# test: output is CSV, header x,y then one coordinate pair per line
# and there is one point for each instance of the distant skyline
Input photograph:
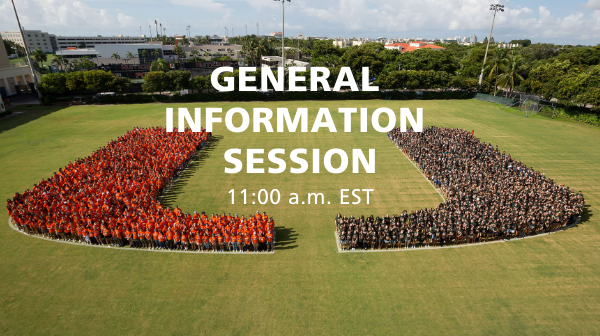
x,y
561,22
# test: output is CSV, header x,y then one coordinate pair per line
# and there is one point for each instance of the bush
x,y
5,113
430,95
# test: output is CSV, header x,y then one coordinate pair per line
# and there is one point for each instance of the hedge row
x,y
280,96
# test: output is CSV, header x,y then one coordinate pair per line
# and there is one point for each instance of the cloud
x,y
593,4
208,5
36,13
464,15
126,21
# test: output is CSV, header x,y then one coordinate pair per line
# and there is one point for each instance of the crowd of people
x,y
488,196
111,198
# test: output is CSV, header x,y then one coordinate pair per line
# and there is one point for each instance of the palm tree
x,y
177,51
130,56
156,53
194,53
206,54
39,56
159,65
510,77
495,63
60,61
143,55
115,56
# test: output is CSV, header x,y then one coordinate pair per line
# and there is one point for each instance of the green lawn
x,y
544,285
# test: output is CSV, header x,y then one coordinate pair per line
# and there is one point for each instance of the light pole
x,y
35,83
495,8
283,31
226,32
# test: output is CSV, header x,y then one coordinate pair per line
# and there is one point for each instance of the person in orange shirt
x,y
247,240
213,243
270,245
262,240
227,241
184,241
220,240
170,244
177,240
234,243
198,242
162,240
255,241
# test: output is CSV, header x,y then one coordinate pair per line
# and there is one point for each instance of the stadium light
x,y
495,8
283,31
35,83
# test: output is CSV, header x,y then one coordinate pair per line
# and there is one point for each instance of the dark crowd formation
x,y
488,196
111,198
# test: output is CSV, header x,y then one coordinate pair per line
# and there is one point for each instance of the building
x,y
509,45
13,79
275,61
103,53
35,39
65,42
412,46
347,43
473,39
277,35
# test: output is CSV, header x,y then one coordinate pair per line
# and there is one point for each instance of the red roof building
x,y
412,46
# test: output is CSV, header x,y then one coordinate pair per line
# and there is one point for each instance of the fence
x,y
494,99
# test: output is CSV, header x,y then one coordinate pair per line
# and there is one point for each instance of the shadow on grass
x,y
30,113
286,238
177,188
587,214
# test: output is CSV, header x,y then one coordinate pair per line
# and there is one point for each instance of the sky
x,y
553,21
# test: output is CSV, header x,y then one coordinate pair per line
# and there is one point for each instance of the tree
x,y
130,55
185,41
119,84
76,81
143,54
325,47
524,43
496,62
194,53
60,61
53,84
200,83
177,80
115,56
177,51
511,76
540,51
39,56
159,65
154,81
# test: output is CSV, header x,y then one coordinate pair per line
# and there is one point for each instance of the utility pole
x,y
257,33
150,29
246,29
35,83
156,24
495,8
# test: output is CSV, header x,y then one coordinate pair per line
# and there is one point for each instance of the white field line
x,y
337,240
432,185
10,223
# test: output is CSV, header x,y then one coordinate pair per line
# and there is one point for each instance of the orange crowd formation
x,y
111,198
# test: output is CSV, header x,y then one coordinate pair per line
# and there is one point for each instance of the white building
x,y
35,39
64,42
13,79
103,53
275,61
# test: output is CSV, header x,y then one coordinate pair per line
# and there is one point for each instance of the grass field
x,y
544,285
